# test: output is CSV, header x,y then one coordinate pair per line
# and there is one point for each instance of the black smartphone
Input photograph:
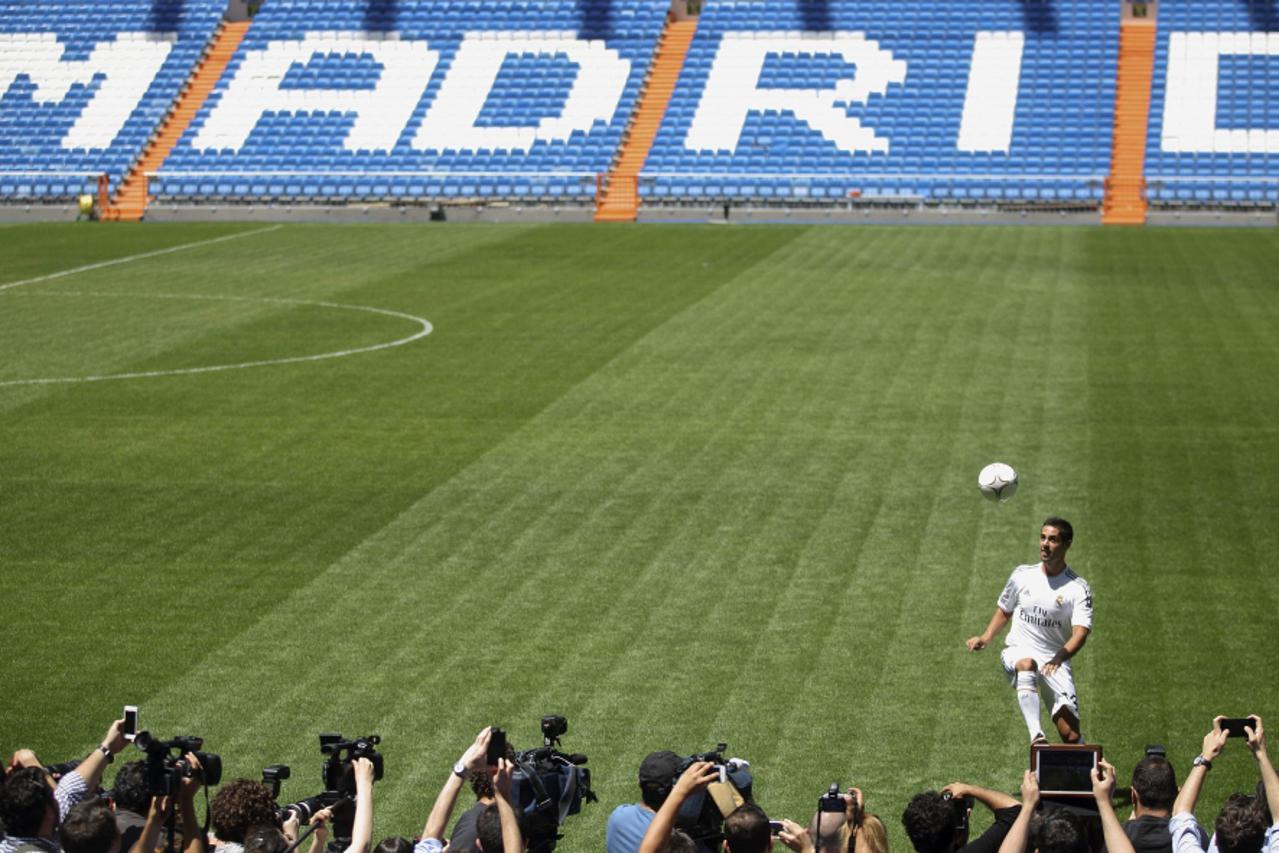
x,y
774,827
130,730
497,745
1233,726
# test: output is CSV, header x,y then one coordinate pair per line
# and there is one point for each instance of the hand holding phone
x,y
497,746
1234,726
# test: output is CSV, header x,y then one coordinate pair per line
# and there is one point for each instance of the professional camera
x,y
272,777
702,815
338,777
961,806
549,785
167,765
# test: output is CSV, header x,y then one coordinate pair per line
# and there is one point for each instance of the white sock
x,y
1028,701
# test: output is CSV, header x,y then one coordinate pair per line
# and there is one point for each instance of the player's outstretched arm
x,y
997,623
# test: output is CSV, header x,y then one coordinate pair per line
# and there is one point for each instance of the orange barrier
x,y
132,197
1125,202
619,201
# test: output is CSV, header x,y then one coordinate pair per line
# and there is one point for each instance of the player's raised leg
x,y
1027,685
1065,711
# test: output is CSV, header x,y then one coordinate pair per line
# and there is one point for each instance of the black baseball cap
x,y
659,769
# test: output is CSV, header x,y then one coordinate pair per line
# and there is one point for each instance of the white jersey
x,y
1043,608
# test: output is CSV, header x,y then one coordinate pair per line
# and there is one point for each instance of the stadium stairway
x,y
1125,201
130,202
620,200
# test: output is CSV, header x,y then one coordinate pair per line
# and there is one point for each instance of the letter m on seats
x,y
122,69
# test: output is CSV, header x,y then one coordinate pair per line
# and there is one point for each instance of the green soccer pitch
x,y
680,484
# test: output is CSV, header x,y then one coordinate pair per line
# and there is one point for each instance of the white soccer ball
x,y
997,481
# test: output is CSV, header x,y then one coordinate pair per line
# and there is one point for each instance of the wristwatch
x,y
1200,761
459,770
106,753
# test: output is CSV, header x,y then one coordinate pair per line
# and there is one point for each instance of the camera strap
x,y
541,799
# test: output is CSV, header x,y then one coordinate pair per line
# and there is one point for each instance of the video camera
x,y
702,815
338,776
548,786
167,765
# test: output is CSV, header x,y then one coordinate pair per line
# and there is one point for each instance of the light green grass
x,y
679,484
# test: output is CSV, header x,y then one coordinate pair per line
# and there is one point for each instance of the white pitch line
x,y
426,329
131,258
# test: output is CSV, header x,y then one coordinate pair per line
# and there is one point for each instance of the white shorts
x,y
1059,687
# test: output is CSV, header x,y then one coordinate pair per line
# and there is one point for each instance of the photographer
x,y
90,827
31,807
507,838
238,808
658,835
937,821
1060,830
466,829
363,774
1241,825
834,831
1153,791
628,822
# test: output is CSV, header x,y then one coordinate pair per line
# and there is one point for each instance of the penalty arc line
x,y
426,329
131,258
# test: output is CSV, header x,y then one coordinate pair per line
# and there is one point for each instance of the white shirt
x,y
1043,608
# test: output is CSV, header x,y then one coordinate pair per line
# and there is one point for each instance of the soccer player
x,y
1050,608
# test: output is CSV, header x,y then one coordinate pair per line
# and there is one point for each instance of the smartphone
x,y
497,745
130,722
1233,726
774,827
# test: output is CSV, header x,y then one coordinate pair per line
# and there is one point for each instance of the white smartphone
x,y
130,722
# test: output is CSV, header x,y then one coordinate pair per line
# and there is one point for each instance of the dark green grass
x,y
680,484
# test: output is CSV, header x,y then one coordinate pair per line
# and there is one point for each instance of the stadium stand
x,y
84,83
792,102
344,101
971,100
1214,119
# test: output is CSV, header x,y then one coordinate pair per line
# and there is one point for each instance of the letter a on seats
x,y
596,91
381,113
732,89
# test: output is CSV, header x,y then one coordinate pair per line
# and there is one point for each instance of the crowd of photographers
x,y
688,804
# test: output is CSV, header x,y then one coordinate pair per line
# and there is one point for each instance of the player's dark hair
x,y
1241,826
132,790
746,830
23,801
1061,832
1063,527
1155,782
930,822
89,827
